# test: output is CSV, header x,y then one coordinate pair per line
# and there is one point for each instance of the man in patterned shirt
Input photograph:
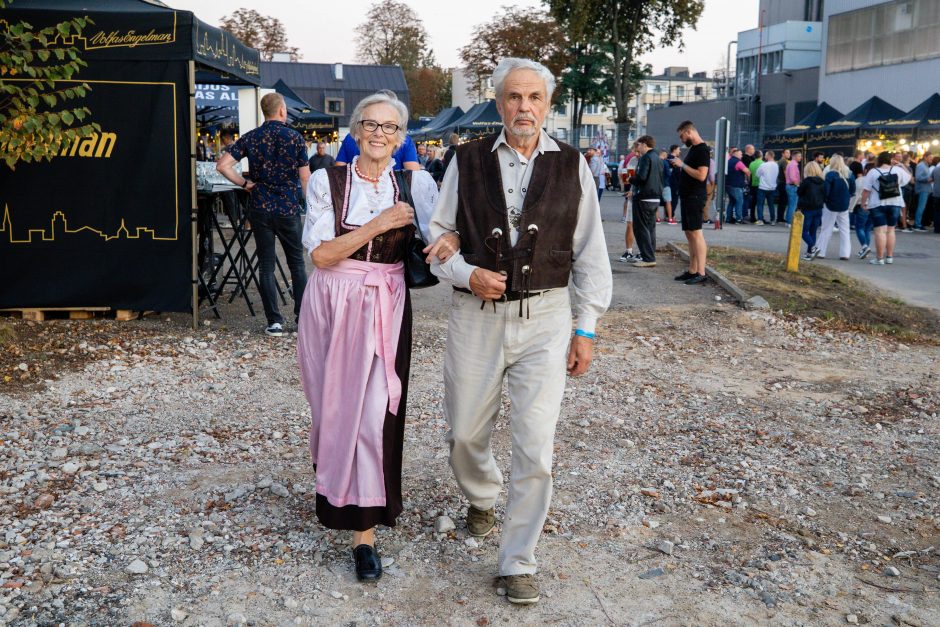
x,y
277,160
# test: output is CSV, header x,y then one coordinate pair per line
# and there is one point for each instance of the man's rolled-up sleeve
x,y
590,272
444,220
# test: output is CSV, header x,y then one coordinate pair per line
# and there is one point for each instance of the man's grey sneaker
x,y
864,252
521,589
480,522
275,330
889,260
877,262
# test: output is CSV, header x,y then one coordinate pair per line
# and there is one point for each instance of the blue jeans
x,y
863,226
735,203
812,220
922,198
768,196
791,203
288,230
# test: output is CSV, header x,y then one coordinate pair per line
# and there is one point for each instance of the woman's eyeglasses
x,y
370,125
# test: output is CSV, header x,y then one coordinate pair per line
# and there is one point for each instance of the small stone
x,y
652,524
44,501
653,573
472,543
236,620
884,519
809,511
279,490
178,615
235,494
336,595
756,302
665,546
291,603
851,619
387,561
82,431
768,599
137,567
196,541
443,524
101,486
70,468
59,453
651,492
891,571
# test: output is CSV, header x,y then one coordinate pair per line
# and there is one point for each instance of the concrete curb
x,y
743,299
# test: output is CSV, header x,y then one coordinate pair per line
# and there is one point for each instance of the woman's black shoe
x,y
368,563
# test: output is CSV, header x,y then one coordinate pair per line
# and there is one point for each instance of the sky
x,y
324,31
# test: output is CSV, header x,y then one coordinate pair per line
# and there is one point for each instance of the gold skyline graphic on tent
x,y
59,226
205,48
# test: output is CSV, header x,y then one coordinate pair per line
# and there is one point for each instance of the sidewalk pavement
x,y
913,277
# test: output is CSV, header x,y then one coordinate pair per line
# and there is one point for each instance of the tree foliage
x,y
393,34
514,32
586,80
430,89
629,29
37,81
265,34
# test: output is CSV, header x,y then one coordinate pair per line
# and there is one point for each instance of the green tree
x,y
265,34
393,34
513,32
585,81
36,85
630,28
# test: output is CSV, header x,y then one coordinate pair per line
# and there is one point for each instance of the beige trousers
x,y
483,348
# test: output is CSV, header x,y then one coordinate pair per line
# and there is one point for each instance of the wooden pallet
x,y
40,314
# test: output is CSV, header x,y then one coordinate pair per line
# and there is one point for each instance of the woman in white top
x,y
354,340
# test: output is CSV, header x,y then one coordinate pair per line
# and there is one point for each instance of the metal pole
x,y
722,130
193,212
728,69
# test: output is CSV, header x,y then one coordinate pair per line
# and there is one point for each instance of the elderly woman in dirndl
x,y
354,343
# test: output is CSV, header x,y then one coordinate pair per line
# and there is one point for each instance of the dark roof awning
x,y
823,115
482,118
871,114
441,122
291,99
925,116
144,30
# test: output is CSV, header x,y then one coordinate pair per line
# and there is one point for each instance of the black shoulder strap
x,y
404,193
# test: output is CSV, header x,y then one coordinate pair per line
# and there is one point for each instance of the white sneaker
x,y
275,330
759,223
877,262
889,260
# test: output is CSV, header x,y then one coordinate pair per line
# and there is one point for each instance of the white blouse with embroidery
x,y
365,203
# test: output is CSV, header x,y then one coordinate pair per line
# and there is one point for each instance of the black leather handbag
x,y
417,270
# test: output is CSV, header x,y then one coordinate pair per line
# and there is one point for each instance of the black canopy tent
x,y
794,137
481,119
843,134
303,117
922,122
436,128
110,221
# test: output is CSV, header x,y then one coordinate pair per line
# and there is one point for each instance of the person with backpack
x,y
811,198
881,195
838,188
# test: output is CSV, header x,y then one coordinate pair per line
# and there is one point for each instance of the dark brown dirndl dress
x,y
386,248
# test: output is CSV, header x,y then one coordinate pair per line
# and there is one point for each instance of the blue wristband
x,y
586,334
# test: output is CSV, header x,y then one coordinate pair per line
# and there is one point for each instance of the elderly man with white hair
x,y
526,210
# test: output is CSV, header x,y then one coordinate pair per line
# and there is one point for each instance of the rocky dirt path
x,y
715,467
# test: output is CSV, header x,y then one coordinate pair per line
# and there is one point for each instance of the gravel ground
x,y
714,467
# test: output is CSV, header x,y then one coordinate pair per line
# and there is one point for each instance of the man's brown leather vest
x,y
551,204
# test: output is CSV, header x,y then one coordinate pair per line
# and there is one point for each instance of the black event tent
x,y
301,116
923,117
794,137
116,228
481,119
435,128
843,134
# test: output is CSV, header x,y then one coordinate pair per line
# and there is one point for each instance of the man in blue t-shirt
x,y
406,157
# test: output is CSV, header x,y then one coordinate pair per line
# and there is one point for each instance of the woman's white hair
x,y
381,97
509,64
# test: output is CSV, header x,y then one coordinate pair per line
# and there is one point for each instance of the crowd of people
x,y
875,196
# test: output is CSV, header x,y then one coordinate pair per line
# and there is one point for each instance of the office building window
x,y
680,91
885,34
588,130
561,109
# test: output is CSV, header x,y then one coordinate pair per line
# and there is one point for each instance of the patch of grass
x,y
819,291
